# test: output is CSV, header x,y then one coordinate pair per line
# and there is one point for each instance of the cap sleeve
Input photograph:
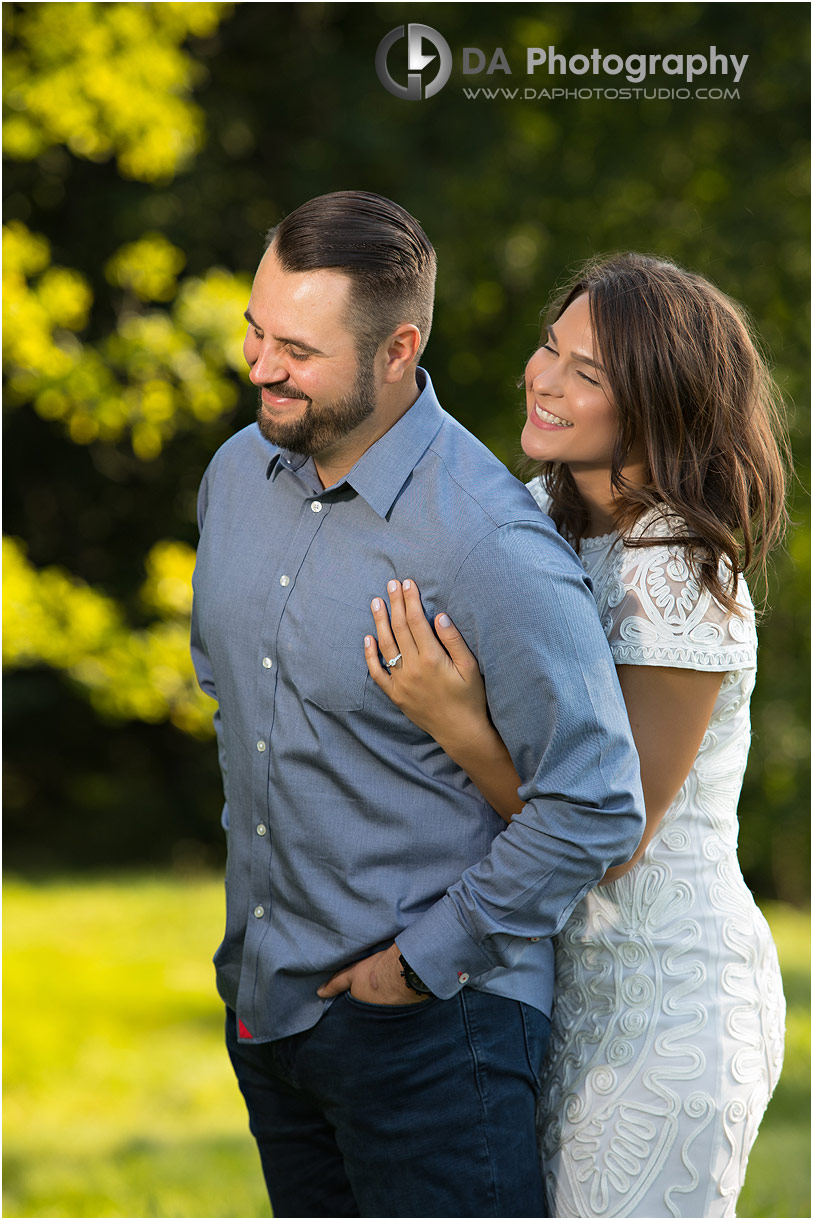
x,y
658,613
538,492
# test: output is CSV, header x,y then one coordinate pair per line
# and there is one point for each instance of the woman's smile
x,y
546,419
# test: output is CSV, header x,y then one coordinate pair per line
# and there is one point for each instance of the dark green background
x,y
512,193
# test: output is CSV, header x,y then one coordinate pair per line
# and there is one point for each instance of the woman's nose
x,y
547,382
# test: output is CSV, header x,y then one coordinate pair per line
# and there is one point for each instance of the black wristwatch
x,y
412,980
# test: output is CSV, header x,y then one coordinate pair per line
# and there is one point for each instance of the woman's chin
x,y
533,444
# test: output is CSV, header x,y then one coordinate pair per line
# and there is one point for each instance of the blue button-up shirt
x,y
348,826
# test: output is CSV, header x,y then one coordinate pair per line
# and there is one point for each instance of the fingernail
x,y
444,620
407,584
368,641
392,586
376,603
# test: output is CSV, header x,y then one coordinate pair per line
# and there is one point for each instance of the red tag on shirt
x,y
242,1031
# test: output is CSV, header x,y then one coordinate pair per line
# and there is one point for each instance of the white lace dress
x,y
668,1018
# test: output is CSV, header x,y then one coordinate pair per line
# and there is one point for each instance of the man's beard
x,y
318,430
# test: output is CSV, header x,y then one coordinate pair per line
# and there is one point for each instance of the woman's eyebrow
x,y
582,359
580,356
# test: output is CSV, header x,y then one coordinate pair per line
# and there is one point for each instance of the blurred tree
x,y
159,369
145,674
134,216
106,80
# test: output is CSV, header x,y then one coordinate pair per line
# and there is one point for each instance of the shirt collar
x,y
283,459
382,471
384,468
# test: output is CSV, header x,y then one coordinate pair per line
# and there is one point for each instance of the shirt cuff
x,y
441,952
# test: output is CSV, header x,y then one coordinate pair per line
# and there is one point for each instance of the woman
x,y
653,421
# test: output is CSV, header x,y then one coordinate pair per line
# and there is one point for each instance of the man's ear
x,y
400,351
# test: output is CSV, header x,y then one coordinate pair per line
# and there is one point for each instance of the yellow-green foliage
x,y
113,80
168,587
106,80
158,372
113,342
119,1099
52,618
149,267
40,304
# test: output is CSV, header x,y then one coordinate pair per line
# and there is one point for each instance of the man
x,y
357,851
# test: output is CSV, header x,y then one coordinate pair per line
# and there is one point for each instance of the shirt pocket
x,y
335,675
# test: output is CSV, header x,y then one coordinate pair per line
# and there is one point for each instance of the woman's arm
x,y
669,711
439,687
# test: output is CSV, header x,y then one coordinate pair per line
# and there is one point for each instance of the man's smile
x,y
280,401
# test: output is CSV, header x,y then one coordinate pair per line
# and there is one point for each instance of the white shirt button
x,y
267,662
463,978
284,581
261,746
259,912
261,829
316,506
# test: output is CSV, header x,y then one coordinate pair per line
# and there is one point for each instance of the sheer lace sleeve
x,y
657,613
539,494
654,611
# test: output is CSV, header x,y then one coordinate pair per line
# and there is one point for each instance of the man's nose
x,y
268,368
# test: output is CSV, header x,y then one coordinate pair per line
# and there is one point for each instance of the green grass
x,y
778,1178
119,1099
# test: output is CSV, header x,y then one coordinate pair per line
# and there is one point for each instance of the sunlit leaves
x,y
148,267
210,309
51,618
48,617
159,371
112,81
106,80
168,587
512,195
33,313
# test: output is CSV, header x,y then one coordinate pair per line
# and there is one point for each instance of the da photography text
x,y
414,62
634,68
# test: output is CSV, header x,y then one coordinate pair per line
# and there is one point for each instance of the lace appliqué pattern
x,y
655,612
668,1022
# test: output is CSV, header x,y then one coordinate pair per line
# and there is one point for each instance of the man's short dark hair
x,y
379,246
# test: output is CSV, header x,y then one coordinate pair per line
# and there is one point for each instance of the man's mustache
x,y
283,390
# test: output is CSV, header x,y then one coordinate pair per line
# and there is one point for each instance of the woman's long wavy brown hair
x,y
691,388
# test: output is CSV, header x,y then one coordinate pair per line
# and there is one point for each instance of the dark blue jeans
x,y
416,1110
